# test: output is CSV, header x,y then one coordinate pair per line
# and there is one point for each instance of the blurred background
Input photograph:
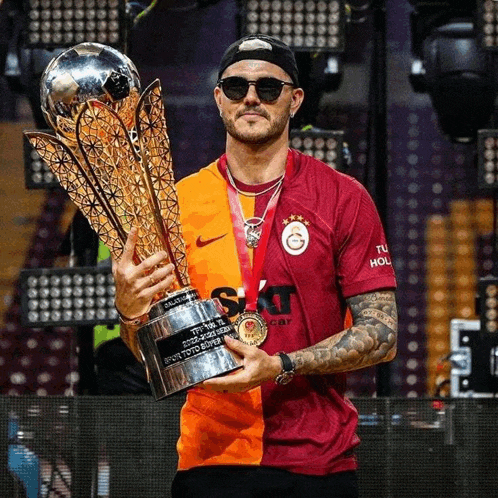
x,y
400,94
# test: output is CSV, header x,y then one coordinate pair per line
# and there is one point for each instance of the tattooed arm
x,y
369,341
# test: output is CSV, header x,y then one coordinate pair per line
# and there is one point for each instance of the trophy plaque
x,y
111,153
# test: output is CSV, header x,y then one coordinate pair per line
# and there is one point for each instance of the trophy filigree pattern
x,y
74,179
119,182
104,142
156,153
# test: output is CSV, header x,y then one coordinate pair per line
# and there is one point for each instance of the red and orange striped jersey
x,y
326,244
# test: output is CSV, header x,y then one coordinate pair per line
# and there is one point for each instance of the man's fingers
x,y
141,294
238,346
130,244
235,382
158,276
155,286
150,262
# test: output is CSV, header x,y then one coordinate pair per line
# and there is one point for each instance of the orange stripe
x,y
215,428
221,429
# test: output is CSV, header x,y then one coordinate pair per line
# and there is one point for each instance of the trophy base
x,y
182,344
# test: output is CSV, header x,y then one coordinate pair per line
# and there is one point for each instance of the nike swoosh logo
x,y
200,242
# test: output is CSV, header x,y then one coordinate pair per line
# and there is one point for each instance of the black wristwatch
x,y
288,370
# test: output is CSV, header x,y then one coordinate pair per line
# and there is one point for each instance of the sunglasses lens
x,y
235,88
269,89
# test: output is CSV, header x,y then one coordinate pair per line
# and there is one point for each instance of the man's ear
x,y
297,99
217,96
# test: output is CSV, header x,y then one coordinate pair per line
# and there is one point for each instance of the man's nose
x,y
251,95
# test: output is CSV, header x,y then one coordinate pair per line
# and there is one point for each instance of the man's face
x,y
250,120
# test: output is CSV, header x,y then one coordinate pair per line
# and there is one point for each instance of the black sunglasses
x,y
268,89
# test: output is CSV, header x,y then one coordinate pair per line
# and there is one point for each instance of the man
x,y
304,242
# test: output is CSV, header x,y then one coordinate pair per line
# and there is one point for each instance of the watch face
x,y
284,378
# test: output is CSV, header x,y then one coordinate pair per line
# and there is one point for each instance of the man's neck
x,y
256,164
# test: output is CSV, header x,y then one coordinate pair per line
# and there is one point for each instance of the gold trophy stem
x,y
158,219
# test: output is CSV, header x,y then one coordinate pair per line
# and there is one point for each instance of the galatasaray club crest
x,y
295,237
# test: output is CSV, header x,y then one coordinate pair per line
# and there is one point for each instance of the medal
x,y
251,328
252,233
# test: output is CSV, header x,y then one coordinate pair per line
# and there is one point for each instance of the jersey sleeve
x,y
364,263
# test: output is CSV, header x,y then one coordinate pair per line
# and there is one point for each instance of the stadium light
x,y
67,297
64,23
487,21
487,158
488,304
326,145
37,174
308,25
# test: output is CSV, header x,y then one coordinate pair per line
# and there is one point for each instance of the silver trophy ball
x,y
83,72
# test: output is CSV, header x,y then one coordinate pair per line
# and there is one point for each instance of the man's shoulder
x,y
323,176
202,192
203,184
208,174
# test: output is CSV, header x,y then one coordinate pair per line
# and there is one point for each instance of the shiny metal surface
x,y
176,298
187,372
83,72
179,318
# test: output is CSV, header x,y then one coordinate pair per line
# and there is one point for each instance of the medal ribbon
x,y
251,277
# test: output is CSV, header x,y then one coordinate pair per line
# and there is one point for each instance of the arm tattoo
x,y
369,341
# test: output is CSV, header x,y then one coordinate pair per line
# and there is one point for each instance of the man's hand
x,y
136,285
258,367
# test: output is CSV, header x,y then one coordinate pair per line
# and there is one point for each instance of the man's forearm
x,y
370,340
129,335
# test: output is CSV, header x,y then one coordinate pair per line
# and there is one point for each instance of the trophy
x,y
111,153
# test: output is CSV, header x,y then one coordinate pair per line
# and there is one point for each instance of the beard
x,y
257,137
